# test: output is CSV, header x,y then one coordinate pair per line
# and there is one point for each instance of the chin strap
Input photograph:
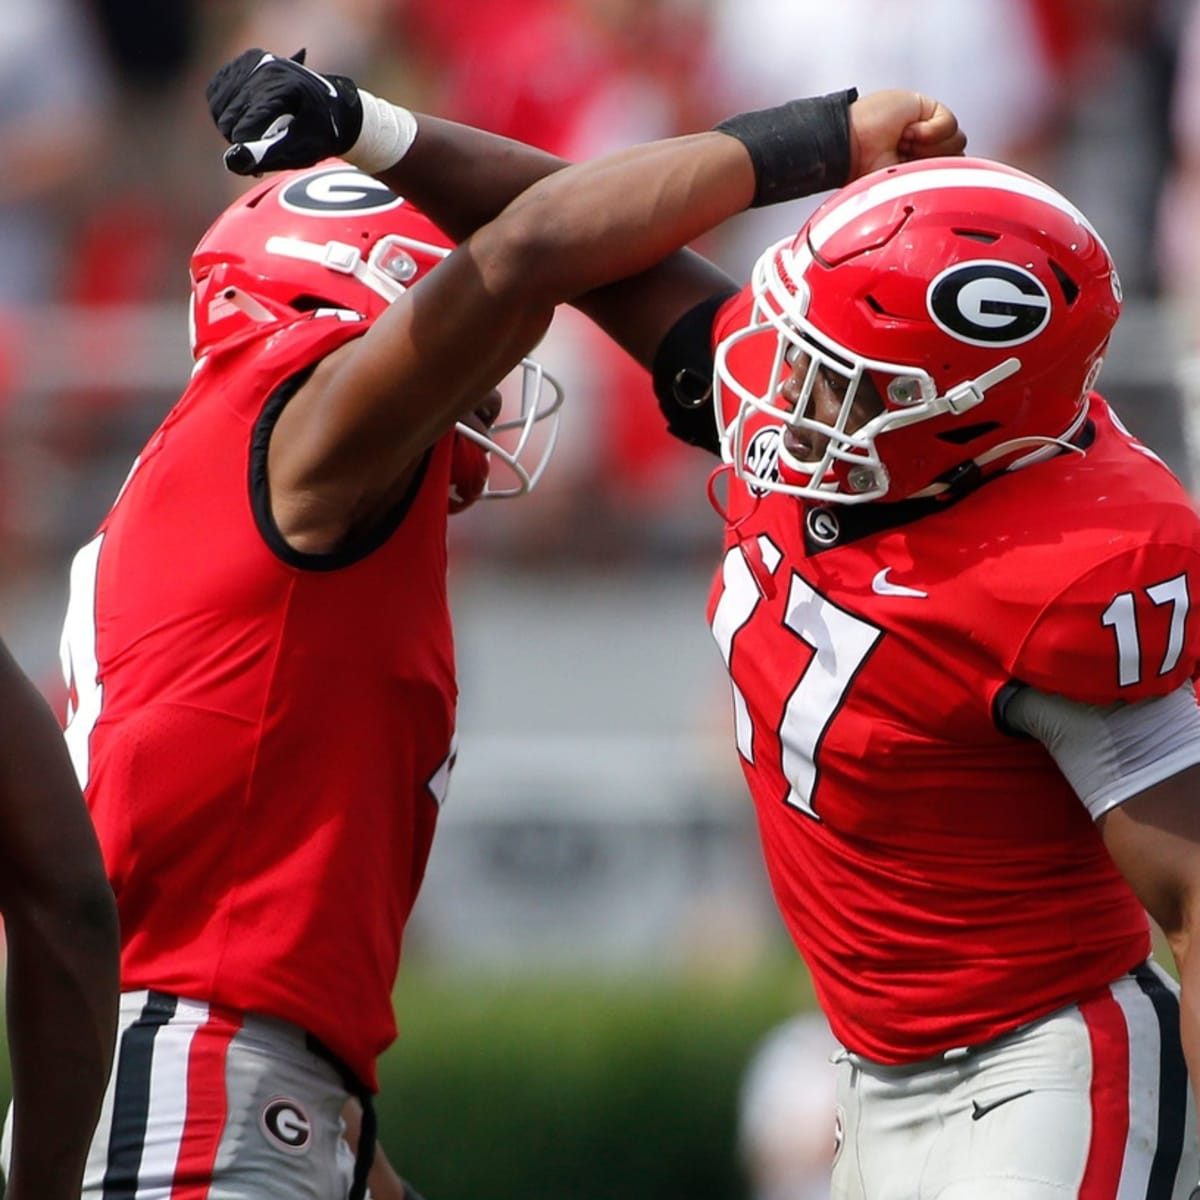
x,y
965,396
340,257
751,551
1046,443
1046,447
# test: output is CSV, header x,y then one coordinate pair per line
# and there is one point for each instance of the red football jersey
x,y
264,737
940,877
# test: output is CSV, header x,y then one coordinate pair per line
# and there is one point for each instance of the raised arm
x,y
346,442
277,112
60,922
608,235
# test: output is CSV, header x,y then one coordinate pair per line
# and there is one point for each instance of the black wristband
x,y
797,148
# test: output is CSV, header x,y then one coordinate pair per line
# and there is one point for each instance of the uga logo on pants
x,y
287,1125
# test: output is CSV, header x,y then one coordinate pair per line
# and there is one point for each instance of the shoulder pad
x,y
1127,629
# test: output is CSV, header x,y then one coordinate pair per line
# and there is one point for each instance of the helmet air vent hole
x,y
978,235
310,303
968,433
1069,287
255,201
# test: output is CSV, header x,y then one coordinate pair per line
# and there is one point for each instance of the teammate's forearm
x,y
597,222
575,230
462,177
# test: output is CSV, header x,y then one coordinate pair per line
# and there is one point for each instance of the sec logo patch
x,y
762,458
286,1125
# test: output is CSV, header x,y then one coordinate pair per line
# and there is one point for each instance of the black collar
x,y
830,525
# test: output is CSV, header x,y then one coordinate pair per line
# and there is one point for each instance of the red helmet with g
x,y
973,302
332,237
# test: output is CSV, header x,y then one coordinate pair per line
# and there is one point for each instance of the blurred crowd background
x,y
112,170
596,821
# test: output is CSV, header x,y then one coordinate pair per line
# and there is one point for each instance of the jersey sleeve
x,y
300,345
1125,630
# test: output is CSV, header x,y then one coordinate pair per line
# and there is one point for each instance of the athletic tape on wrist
x,y
797,148
386,135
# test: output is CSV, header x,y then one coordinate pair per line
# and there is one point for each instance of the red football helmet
x,y
976,299
332,237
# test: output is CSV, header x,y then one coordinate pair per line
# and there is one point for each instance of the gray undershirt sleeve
x,y
1110,754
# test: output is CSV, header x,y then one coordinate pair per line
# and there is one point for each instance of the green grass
x,y
585,1089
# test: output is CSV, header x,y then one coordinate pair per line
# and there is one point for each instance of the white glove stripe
x,y
274,132
320,78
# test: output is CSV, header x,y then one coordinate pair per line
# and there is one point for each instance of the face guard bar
x,y
849,469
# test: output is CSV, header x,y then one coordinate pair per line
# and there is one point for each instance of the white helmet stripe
x,y
892,187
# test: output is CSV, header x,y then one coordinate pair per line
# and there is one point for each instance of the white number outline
x,y
840,642
438,784
77,653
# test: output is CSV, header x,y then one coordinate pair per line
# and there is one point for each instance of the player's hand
x,y
895,126
278,114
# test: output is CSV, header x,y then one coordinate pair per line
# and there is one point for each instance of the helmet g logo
x,y
338,192
989,303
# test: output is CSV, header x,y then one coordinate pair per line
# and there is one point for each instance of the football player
x,y
258,641
956,600
259,658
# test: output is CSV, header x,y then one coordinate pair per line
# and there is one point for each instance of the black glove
x,y
279,114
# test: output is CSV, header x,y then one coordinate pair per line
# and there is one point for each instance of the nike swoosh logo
x,y
981,1110
270,58
320,79
882,586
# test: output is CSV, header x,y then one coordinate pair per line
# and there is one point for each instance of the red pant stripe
x,y
1110,1097
207,1104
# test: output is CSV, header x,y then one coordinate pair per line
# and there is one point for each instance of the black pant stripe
x,y
131,1097
1173,1089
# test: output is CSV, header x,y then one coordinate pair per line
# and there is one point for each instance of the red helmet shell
x,y
325,237
977,299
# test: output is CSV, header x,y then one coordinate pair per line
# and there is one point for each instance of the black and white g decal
x,y
989,303
338,192
286,1125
